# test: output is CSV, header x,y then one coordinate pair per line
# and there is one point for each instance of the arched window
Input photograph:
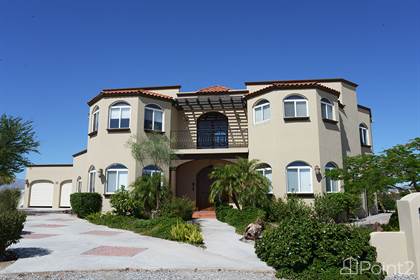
x,y
295,106
266,171
151,170
79,184
119,115
95,119
212,131
299,178
330,184
116,176
364,134
153,118
262,111
92,175
327,109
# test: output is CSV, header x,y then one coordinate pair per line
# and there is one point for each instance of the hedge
x,y
84,204
11,226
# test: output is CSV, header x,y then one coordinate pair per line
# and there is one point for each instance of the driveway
x,y
61,242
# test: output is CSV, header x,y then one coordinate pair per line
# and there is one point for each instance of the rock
x,y
253,231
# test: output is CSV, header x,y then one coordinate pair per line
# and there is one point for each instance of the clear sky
x,y
56,55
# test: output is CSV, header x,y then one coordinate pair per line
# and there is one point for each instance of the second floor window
x,y
262,111
153,118
95,119
327,109
364,135
119,115
295,106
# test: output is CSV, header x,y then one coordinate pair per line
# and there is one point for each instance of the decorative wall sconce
x,y
100,172
317,170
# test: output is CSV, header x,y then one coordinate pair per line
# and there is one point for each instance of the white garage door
x,y
42,194
65,195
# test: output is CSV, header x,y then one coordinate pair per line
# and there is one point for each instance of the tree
x,y
241,182
156,149
402,163
17,140
362,173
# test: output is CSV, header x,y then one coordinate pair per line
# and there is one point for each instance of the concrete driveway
x,y
61,242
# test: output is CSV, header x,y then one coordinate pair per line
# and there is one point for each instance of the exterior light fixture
x,y
100,172
317,170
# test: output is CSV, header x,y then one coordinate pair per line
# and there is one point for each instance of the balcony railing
x,y
209,138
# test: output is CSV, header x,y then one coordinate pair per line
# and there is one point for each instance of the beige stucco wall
x,y
278,142
54,174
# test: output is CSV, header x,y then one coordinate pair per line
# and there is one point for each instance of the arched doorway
x,y
203,188
212,131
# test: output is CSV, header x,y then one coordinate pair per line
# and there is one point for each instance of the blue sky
x,y
56,55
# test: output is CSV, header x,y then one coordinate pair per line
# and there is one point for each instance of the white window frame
x,y
264,103
364,135
299,168
153,118
120,107
331,180
95,120
294,101
263,172
92,174
328,104
118,171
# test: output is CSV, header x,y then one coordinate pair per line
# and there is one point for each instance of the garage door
x,y
65,195
42,194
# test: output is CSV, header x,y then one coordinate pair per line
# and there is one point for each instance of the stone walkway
x,y
60,242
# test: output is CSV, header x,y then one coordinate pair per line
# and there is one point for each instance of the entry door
x,y
41,194
203,187
65,195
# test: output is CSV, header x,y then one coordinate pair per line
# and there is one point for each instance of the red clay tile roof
x,y
304,81
214,89
129,92
298,85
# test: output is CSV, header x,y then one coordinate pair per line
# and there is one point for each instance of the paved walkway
x,y
58,242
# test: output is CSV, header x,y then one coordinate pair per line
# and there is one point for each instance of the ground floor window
x,y
116,177
331,185
92,175
299,178
266,171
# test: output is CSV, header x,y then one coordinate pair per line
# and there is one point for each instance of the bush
x,y
84,204
187,233
124,204
239,219
290,208
159,227
388,201
178,207
150,192
305,247
11,226
393,224
9,199
337,207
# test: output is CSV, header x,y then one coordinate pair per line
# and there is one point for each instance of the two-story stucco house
x,y
297,129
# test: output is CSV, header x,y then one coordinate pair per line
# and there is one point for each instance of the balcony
x,y
215,139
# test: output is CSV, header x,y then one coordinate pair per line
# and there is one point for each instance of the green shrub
x,y
150,192
388,201
239,219
159,227
394,224
178,207
11,226
186,233
9,199
124,204
84,204
290,208
337,207
305,248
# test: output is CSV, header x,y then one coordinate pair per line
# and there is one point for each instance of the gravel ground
x,y
402,277
142,274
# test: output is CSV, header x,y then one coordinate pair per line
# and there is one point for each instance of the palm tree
x,y
225,183
241,182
